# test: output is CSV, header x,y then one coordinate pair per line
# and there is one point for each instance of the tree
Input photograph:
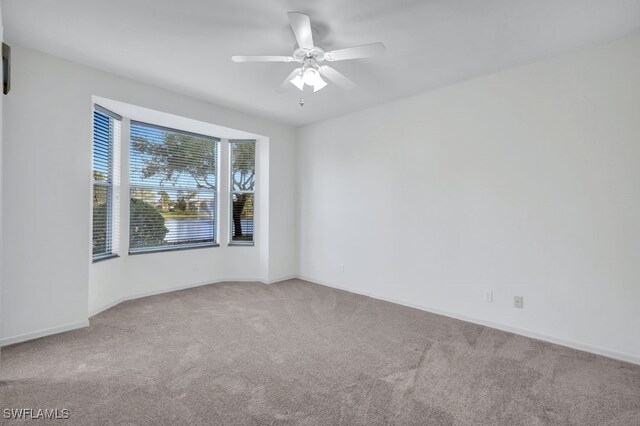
x,y
177,154
181,202
99,175
100,218
99,232
165,200
184,201
146,228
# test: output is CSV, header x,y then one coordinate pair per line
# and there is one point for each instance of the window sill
x,y
103,258
176,248
241,244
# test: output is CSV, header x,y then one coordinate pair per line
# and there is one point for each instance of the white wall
x,y
49,282
525,183
1,172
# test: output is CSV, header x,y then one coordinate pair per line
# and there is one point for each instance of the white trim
x,y
633,359
44,332
184,287
109,305
282,278
187,286
223,199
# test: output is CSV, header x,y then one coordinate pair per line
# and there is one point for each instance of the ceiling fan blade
x,y
240,58
286,84
356,52
340,80
301,25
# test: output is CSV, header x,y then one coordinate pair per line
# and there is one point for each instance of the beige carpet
x,y
300,353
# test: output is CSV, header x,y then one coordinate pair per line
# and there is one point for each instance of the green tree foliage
x,y
243,156
178,153
99,175
165,200
146,227
184,201
99,232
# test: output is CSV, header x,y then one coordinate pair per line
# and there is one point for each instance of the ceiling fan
x,y
312,58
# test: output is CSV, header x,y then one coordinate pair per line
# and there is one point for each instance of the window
x,y
173,188
243,180
106,131
173,191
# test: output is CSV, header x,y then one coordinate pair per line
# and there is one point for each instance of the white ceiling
x,y
186,45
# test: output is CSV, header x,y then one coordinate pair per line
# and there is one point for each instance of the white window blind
x,y
243,179
106,130
173,189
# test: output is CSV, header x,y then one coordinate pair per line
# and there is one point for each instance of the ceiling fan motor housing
x,y
314,54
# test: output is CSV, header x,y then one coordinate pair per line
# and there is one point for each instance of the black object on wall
x,y
6,68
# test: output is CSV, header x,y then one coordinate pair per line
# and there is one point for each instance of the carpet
x,y
300,353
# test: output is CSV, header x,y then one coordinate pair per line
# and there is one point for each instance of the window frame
x,y
215,192
231,192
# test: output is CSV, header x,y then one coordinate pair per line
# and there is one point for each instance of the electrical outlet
x,y
341,268
488,296
518,302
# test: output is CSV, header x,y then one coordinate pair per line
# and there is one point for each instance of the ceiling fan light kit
x,y
312,57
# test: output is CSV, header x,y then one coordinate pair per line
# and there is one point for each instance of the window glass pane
x,y
173,180
102,138
243,165
101,240
243,179
242,217
102,173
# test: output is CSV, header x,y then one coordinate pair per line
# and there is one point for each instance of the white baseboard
x,y
106,306
44,332
633,359
184,287
72,326
523,332
277,280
